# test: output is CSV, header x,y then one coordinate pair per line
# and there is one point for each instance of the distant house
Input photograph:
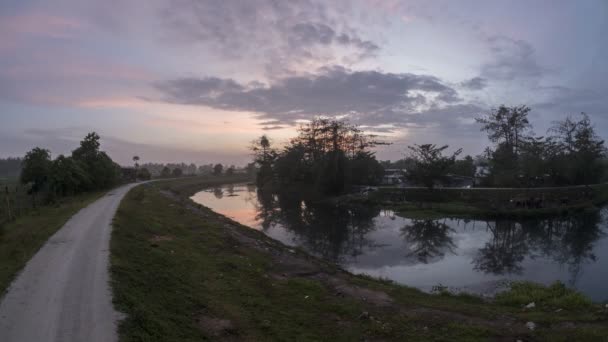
x,y
393,177
481,173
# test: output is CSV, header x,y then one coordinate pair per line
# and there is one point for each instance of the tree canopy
x,y
327,157
430,165
570,154
86,169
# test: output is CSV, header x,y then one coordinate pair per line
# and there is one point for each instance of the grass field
x,y
22,238
181,272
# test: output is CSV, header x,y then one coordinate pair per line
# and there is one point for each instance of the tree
x,y
166,172
507,125
365,169
36,168
68,176
327,157
430,164
217,169
264,156
177,172
508,128
102,171
579,150
144,174
251,169
230,170
136,161
464,167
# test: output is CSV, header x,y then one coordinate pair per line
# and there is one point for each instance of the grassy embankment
x,y
487,203
22,238
181,272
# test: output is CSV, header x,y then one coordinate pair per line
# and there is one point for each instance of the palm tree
x,y
136,160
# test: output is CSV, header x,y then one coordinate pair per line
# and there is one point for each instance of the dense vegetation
x,y
87,169
570,154
327,157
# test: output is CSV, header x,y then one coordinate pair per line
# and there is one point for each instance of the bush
x,y
556,296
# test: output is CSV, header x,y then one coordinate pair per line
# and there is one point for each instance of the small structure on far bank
x,y
394,177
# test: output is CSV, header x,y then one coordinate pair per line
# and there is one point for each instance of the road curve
x,y
63,293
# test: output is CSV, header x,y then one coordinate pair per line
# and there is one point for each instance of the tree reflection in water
x,y
336,233
567,240
428,239
218,192
331,232
505,251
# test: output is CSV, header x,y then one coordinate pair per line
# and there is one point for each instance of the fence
x,y
15,201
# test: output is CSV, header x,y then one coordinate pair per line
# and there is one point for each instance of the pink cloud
x,y
79,69
112,102
40,24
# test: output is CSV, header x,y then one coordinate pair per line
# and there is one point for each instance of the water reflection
x,y
327,231
505,251
423,253
569,241
428,239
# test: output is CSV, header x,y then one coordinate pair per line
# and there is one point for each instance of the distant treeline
x,y
183,169
44,180
328,156
571,153
86,169
187,169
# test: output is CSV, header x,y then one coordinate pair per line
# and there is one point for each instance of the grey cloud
x,y
306,34
475,83
270,128
266,31
513,59
367,96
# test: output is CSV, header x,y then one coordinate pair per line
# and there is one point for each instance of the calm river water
x,y
465,255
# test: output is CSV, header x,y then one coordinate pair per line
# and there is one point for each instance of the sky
x,y
198,80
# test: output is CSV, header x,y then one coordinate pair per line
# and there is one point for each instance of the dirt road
x,y
63,293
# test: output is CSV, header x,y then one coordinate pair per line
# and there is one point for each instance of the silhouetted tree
x,y
68,176
327,157
103,172
430,165
506,125
166,172
144,174
177,172
580,151
217,169
36,167
264,156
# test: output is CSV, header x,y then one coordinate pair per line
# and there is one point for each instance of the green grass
x,y
23,237
183,273
554,297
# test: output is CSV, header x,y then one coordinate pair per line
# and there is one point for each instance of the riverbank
x,y
183,272
486,203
